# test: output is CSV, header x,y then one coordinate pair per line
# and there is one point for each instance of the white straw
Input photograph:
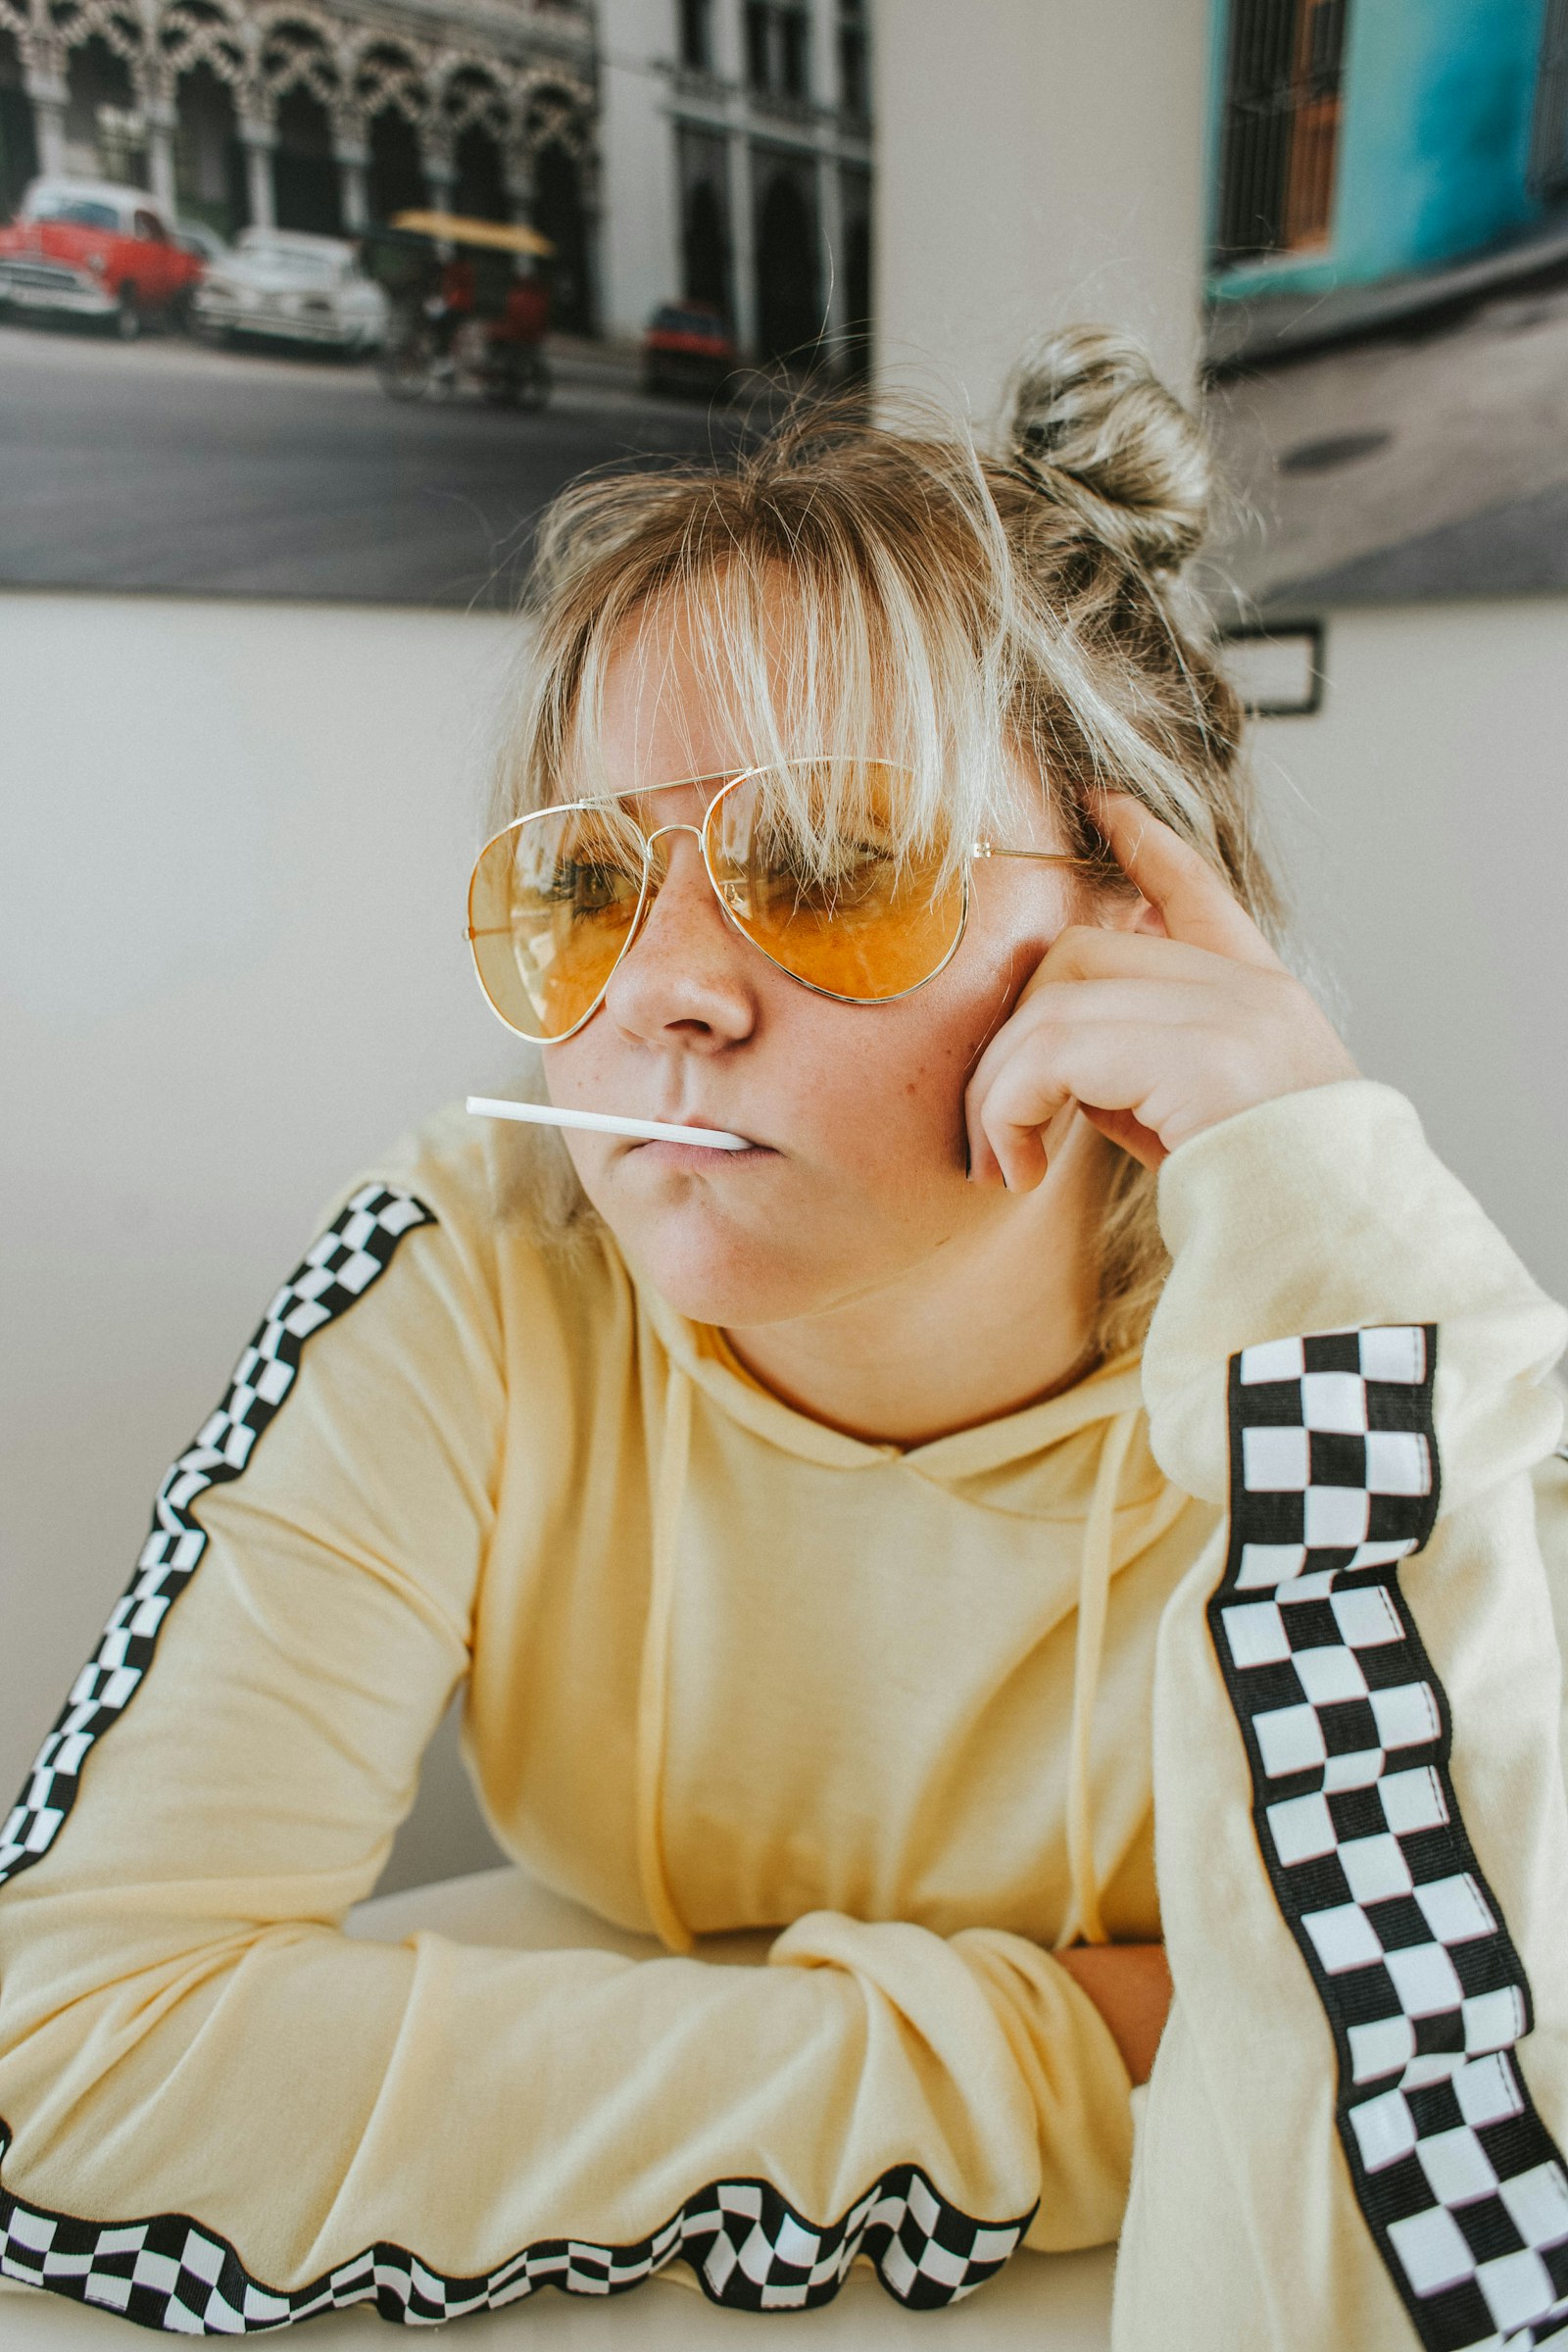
x,y
652,1131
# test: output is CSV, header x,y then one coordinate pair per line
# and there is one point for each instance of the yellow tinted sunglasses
x,y
809,866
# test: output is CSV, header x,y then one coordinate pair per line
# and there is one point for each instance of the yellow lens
x,y
551,906
812,866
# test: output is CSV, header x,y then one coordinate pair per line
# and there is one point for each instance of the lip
x,y
696,1157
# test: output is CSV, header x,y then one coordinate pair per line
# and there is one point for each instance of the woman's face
x,y
860,1179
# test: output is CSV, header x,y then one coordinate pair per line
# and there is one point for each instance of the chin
x,y
711,1272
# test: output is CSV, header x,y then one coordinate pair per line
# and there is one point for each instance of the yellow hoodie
x,y
1261,1618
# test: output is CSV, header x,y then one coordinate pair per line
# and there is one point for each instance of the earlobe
x,y
1149,921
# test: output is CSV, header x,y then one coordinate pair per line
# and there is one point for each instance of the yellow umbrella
x,y
451,228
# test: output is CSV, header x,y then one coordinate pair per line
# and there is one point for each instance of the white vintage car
x,y
293,288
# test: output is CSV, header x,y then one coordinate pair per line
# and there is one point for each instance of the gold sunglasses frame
x,y
727,784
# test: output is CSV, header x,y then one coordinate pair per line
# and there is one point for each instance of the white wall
x,y
1036,161
234,849
1424,812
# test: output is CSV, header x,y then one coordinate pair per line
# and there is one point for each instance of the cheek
x,y
887,1090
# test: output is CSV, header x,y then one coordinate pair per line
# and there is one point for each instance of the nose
x,y
687,980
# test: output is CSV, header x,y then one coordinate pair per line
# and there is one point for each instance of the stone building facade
x,y
325,115
717,150
737,156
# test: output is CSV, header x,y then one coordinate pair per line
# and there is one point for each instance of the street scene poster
x,y
327,300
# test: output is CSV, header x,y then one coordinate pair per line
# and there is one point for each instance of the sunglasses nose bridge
x,y
658,832
657,868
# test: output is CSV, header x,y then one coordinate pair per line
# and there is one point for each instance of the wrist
x,y
1129,1985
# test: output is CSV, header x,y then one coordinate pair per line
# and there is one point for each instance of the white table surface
x,y
1040,2303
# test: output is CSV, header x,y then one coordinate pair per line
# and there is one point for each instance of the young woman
x,y
831,1543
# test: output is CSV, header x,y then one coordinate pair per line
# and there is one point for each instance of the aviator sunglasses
x,y
807,859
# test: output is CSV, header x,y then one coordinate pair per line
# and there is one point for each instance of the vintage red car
x,y
91,249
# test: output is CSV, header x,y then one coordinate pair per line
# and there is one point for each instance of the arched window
x,y
105,136
209,167
397,172
558,212
857,348
789,318
304,179
706,247
481,192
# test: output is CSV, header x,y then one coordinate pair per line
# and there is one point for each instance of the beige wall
x,y
1036,161
230,966
1424,815
235,840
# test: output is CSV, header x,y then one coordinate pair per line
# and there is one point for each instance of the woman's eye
x,y
588,889
852,874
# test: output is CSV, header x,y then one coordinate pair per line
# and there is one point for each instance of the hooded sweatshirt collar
x,y
1114,1389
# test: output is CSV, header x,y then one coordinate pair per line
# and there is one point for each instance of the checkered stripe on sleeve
x,y
337,1269
749,2248
1334,1480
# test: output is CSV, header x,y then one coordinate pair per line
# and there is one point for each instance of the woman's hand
x,y
1154,1038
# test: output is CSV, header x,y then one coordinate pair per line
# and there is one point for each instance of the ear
x,y
1130,910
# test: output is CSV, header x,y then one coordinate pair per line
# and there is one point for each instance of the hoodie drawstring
x,y
1093,1590
652,1696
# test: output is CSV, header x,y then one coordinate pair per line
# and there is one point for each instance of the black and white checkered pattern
x,y
750,2250
1333,1480
336,1270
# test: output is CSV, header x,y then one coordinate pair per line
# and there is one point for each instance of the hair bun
x,y
1090,419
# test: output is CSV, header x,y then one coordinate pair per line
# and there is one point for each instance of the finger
x,y
1128,1131
1057,1017
1013,1152
1194,902
1097,951
1103,1064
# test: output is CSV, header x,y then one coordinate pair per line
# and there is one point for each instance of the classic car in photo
x,y
283,285
91,249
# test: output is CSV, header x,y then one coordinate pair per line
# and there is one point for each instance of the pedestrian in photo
x,y
1052,1517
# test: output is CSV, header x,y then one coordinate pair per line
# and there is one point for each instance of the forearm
x,y
1361,1841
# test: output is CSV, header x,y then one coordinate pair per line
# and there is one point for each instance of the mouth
x,y
700,1159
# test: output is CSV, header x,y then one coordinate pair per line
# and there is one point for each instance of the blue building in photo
x,y
1356,140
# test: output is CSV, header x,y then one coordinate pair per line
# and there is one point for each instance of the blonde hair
x,y
945,609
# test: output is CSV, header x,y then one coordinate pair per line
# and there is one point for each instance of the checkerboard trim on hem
x,y
338,1268
1347,1735
748,2246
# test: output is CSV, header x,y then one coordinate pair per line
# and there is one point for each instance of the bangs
x,y
844,631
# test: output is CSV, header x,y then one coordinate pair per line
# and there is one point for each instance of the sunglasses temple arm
x,y
990,848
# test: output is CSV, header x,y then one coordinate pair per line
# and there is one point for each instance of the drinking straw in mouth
x,y
649,1131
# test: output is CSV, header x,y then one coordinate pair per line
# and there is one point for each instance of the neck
x,y
1000,1321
